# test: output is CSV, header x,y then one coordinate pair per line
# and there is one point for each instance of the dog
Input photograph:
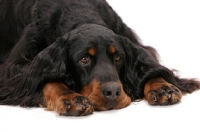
x,y
75,58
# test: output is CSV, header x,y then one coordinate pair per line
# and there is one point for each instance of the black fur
x,y
35,39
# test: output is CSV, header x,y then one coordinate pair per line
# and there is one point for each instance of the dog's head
x,y
97,58
102,65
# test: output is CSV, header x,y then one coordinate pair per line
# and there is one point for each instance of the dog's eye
x,y
117,58
85,60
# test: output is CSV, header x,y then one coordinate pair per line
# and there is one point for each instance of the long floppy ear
x,y
141,66
49,65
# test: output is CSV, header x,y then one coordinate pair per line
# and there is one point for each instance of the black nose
x,y
111,91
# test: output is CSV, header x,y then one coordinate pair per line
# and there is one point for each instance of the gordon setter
x,y
74,57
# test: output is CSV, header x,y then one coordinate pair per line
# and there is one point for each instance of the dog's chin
x,y
111,105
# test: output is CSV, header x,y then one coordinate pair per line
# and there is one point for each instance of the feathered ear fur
x,y
141,65
49,65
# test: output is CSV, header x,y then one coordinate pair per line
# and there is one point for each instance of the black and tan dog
x,y
75,57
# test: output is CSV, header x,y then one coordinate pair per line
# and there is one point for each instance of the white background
x,y
173,28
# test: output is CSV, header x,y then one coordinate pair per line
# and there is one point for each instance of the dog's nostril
x,y
118,92
111,91
107,93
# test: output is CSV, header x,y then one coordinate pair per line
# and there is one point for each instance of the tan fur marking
x,y
154,84
53,96
111,49
51,93
92,51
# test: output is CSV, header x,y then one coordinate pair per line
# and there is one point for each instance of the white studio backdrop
x,y
173,28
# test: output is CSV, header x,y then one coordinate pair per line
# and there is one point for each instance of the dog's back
x,y
49,15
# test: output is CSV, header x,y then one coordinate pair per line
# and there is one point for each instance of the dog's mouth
x,y
108,105
106,96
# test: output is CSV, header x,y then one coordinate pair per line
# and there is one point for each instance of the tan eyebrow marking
x,y
92,51
111,49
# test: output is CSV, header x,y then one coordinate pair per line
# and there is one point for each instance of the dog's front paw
x,y
74,105
162,93
58,97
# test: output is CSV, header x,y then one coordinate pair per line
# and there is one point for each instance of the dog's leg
x,y
159,92
58,97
